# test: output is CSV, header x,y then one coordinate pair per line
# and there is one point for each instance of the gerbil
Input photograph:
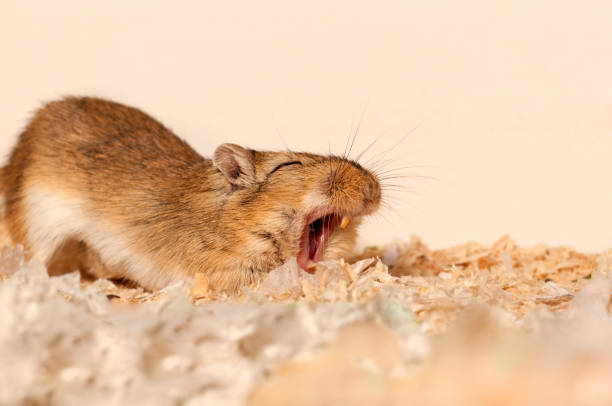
x,y
144,206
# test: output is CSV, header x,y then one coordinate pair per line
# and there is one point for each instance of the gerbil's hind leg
x,y
43,249
66,258
75,255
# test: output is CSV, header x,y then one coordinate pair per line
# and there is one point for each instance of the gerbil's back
x,y
103,173
80,139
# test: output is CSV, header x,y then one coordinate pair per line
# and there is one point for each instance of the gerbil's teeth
x,y
311,265
345,222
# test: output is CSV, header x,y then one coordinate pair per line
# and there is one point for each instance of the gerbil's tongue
x,y
313,240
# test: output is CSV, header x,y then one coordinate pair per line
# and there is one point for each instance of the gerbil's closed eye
x,y
284,164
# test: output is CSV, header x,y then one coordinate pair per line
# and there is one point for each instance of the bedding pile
x,y
399,324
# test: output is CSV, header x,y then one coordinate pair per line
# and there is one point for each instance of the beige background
x,y
512,101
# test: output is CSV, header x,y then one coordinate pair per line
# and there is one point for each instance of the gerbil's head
x,y
289,204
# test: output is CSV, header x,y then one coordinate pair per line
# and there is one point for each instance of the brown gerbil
x,y
145,206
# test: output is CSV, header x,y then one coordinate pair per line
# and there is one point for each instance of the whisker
x,y
392,205
348,138
380,164
280,136
355,135
383,134
407,176
401,188
367,148
361,117
383,216
408,133
397,186
401,168
348,148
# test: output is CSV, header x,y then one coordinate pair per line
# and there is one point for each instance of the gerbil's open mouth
x,y
315,235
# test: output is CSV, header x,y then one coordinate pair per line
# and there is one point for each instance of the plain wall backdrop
x,y
505,108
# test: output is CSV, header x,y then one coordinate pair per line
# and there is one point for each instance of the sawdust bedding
x,y
399,324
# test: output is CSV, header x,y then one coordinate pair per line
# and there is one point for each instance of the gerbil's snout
x,y
353,189
350,192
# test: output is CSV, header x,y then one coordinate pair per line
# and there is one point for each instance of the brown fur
x,y
233,218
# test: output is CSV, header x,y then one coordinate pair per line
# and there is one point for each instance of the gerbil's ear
x,y
236,164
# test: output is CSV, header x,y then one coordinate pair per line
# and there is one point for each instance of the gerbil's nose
x,y
354,189
372,196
